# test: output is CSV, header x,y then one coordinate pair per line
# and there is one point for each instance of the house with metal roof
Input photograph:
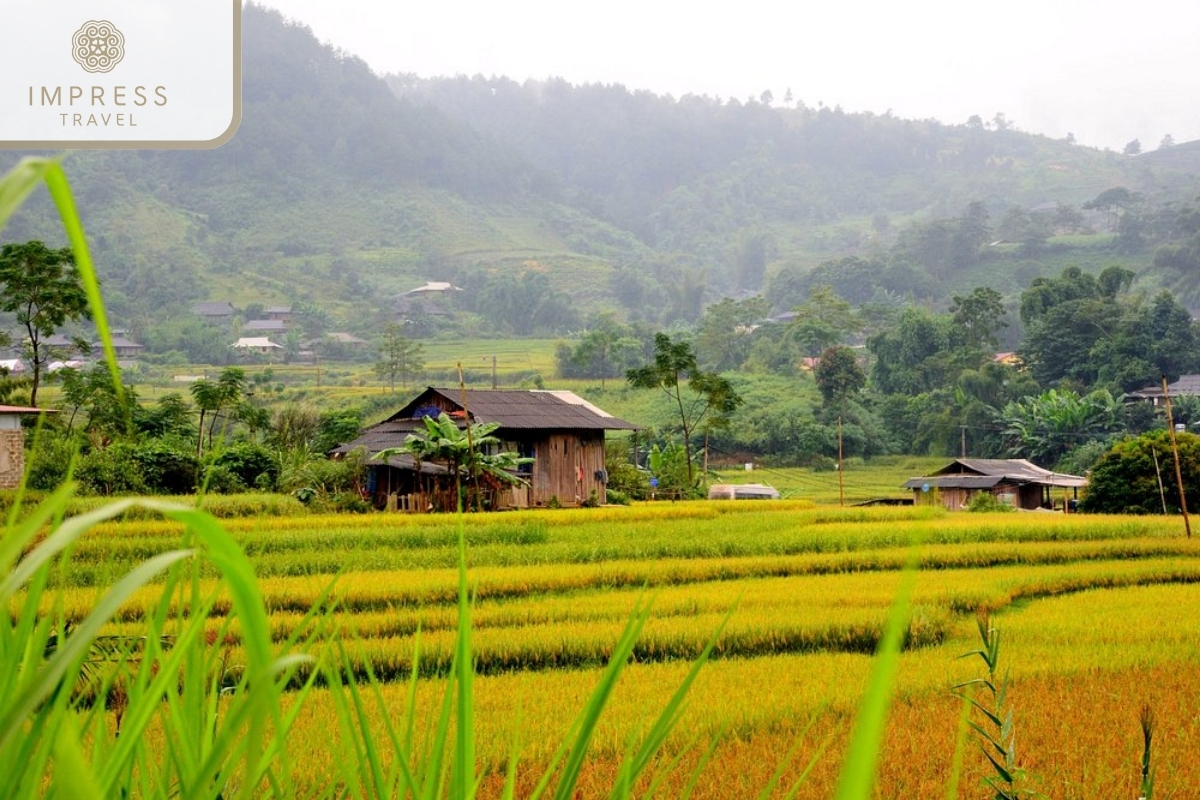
x,y
1020,483
561,431
1186,385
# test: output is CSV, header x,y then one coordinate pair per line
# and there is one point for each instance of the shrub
x,y
111,470
249,462
987,503
616,498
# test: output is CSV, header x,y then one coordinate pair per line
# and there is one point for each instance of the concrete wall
x,y
12,457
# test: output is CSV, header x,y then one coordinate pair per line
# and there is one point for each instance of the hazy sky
x,y
1107,71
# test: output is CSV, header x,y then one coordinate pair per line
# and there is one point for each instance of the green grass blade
x,y
60,192
590,716
960,746
72,775
18,183
18,709
857,776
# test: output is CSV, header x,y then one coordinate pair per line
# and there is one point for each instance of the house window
x,y
526,450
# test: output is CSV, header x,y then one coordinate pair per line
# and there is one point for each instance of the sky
x,y
1107,72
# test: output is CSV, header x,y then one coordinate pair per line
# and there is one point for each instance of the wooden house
x,y
1015,481
218,312
561,431
1185,386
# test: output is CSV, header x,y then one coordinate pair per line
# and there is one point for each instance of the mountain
x,y
546,201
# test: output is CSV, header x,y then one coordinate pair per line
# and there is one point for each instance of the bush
x,y
987,503
166,467
1126,481
220,479
616,498
249,462
46,463
111,470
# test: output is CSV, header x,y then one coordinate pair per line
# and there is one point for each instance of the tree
x,y
399,357
710,395
1133,148
1046,427
839,376
213,396
978,317
1126,479
1168,141
41,286
823,320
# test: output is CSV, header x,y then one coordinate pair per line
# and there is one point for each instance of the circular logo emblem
x,y
98,46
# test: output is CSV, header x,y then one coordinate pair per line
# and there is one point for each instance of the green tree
x,y
978,318
726,332
1126,479
399,356
708,397
41,286
823,320
839,376
211,397
1045,427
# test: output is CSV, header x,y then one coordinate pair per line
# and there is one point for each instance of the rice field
x,y
1099,616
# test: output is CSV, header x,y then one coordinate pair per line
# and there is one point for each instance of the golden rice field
x,y
1099,615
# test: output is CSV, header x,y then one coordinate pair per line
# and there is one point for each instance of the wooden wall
x,y
566,468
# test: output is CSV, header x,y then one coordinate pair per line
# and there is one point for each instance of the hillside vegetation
x,y
344,189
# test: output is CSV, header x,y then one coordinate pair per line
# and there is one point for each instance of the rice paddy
x,y
1099,616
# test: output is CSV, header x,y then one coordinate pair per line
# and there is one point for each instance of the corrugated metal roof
x,y
521,409
513,409
26,410
1015,470
955,482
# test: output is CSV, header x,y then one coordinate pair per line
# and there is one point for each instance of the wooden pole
x,y
962,432
1162,494
841,468
1187,525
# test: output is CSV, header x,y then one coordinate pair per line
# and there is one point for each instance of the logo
x,y
119,73
98,46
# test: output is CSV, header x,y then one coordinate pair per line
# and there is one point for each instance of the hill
x,y
547,201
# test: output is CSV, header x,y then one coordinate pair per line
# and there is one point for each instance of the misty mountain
x,y
342,189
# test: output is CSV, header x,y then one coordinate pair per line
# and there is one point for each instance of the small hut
x,y
1015,481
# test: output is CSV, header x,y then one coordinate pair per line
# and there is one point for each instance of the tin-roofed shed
x,y
1016,481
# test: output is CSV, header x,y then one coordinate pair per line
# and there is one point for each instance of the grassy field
x,y
1098,616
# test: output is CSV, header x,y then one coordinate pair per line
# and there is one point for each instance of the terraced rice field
x,y
1099,615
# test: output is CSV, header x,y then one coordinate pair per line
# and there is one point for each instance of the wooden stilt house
x,y
561,431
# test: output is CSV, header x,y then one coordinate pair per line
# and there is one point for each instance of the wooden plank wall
x,y
566,468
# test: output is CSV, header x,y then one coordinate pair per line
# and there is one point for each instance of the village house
x,y
267,326
1187,385
561,431
1015,481
279,314
256,344
218,312
12,444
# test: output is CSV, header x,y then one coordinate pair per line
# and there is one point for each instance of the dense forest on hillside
x,y
547,203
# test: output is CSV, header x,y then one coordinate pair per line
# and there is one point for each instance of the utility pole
x,y
962,431
1187,525
493,370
